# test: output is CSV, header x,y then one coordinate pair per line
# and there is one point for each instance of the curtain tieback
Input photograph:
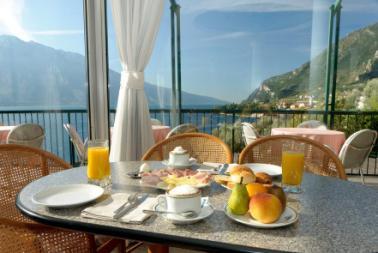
x,y
133,79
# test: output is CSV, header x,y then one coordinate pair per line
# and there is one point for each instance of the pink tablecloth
x,y
4,130
331,138
160,132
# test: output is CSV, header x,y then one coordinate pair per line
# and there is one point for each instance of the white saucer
x,y
206,211
288,217
68,195
179,166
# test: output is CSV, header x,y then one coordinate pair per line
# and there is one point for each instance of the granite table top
x,y
334,216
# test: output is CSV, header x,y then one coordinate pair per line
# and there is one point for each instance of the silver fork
x,y
130,199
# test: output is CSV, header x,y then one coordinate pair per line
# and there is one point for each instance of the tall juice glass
x,y
292,167
98,169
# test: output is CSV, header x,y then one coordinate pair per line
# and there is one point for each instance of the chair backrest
x,y
76,141
155,122
357,148
203,147
181,129
31,135
19,165
319,159
249,132
312,124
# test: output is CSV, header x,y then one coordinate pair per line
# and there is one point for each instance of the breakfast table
x,y
334,216
331,138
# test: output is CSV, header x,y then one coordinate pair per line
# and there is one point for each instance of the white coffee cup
x,y
183,198
178,157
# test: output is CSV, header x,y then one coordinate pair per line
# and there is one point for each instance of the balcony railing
x,y
225,124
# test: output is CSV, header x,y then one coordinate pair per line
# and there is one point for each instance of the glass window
x,y
42,69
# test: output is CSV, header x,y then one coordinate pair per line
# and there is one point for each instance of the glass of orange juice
x,y
292,166
98,168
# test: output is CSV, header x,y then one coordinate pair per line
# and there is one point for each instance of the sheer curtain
x,y
136,24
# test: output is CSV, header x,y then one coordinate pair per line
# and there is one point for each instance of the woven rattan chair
x,y
249,132
31,135
312,124
356,149
181,129
319,159
155,122
203,147
77,142
19,165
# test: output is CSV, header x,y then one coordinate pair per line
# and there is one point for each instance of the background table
x,y
335,216
4,131
331,138
160,132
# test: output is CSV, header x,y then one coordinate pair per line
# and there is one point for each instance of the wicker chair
x,y
312,124
203,147
78,143
356,149
181,129
20,165
250,133
319,159
31,135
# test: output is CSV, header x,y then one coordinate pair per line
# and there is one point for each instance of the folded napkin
x,y
105,209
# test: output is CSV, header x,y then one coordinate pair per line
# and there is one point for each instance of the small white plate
x,y
181,166
270,169
68,195
288,217
206,211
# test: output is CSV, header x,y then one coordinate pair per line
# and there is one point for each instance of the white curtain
x,y
136,23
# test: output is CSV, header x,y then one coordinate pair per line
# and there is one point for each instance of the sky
x,y
228,47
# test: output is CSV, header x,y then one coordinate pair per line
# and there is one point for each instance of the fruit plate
x,y
270,169
288,217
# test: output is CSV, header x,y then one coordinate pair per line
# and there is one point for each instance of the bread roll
x,y
263,178
248,177
239,168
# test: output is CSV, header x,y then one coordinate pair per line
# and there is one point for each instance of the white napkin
x,y
105,209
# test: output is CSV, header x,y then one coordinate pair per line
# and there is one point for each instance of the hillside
x,y
35,75
358,63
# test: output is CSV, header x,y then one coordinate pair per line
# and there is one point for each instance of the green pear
x,y
239,199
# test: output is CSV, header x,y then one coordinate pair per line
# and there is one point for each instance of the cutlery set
x,y
132,202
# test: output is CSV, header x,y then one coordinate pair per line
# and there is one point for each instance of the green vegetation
x,y
357,67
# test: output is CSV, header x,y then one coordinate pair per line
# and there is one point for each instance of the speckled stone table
x,y
334,216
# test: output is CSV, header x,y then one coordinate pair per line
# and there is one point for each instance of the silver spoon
x,y
186,214
130,199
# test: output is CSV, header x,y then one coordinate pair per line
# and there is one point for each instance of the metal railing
x,y
225,124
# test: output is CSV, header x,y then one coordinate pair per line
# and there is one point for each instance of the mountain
x,y
357,63
35,75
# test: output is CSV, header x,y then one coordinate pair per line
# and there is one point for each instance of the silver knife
x,y
130,206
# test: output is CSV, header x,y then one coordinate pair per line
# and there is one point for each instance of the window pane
x,y
42,69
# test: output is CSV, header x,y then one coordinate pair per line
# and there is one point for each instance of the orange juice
x,y
98,163
292,167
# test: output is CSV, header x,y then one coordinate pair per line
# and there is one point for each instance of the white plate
x,y
206,211
68,195
181,166
288,217
270,169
